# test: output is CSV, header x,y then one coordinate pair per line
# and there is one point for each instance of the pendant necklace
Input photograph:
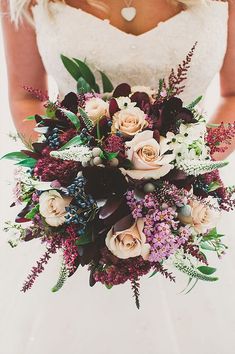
x,y
128,12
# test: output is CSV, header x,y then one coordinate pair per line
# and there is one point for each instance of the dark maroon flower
x,y
70,102
104,182
169,114
113,107
141,99
122,90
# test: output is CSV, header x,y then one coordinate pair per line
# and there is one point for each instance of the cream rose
x,y
203,216
96,108
129,121
129,243
52,207
148,157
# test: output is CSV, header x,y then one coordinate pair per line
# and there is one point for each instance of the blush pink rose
x,y
129,243
149,158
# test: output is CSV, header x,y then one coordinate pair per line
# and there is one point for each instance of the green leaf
x,y
74,141
86,73
207,246
31,214
28,162
206,270
108,286
83,86
72,117
16,156
213,186
30,118
71,67
84,239
108,155
212,235
107,84
194,103
153,273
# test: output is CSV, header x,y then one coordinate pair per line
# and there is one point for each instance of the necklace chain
x,y
128,3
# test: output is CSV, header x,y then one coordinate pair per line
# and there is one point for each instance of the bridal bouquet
x,y
122,182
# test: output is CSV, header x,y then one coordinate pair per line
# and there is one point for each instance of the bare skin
x,y
24,65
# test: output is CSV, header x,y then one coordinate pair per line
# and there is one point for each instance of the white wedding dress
x,y
86,320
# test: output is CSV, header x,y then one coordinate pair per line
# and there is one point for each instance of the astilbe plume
x,y
37,93
50,169
158,268
177,78
195,252
219,138
52,246
70,250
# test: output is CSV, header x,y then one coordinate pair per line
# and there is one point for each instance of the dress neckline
x,y
113,28
118,30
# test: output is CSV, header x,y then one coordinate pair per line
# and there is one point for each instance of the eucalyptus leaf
x,y
71,67
107,84
72,117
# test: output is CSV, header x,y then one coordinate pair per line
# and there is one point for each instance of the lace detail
x,y
140,60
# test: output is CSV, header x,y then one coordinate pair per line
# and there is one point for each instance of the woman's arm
x,y
24,67
226,110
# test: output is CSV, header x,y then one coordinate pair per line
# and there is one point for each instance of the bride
x,y
139,42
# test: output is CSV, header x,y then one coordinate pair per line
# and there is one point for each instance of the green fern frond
x,y
193,272
62,278
87,121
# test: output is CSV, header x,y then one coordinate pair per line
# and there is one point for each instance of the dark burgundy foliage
x,y
104,182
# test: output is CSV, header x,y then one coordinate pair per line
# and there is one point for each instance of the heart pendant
x,y
128,13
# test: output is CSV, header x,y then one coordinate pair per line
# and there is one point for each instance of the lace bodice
x,y
140,60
